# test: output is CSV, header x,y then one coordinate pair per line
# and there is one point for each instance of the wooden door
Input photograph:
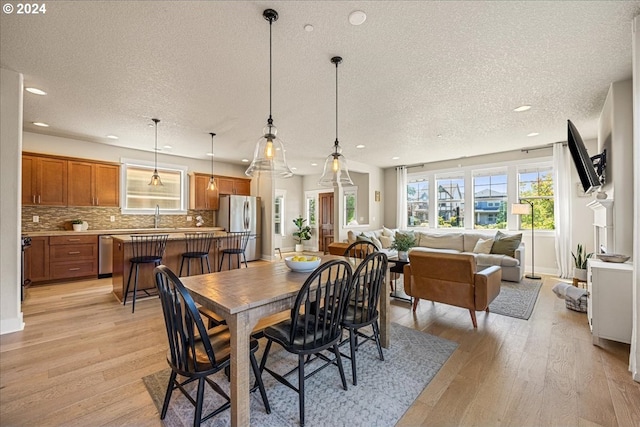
x,y
80,184
52,182
107,185
29,177
326,221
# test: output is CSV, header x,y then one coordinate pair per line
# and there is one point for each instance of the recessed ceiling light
x,y
308,28
314,164
112,137
35,91
439,135
245,160
357,17
359,146
533,134
522,108
168,147
294,169
395,158
42,125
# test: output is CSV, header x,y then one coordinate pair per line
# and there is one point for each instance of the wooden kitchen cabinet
x,y
229,185
199,196
44,181
93,184
73,256
37,260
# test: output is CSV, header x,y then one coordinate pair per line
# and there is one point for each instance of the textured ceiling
x,y
423,81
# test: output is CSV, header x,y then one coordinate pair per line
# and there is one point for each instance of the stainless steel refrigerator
x,y
242,213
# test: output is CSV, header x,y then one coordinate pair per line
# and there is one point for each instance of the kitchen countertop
x,y
126,231
179,235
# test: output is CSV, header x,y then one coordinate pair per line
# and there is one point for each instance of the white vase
x,y
77,227
403,255
580,274
299,247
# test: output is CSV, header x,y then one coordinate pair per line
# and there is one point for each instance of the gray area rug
x,y
384,392
516,299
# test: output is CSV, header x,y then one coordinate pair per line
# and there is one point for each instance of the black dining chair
x,y
314,325
235,244
196,353
362,309
360,249
198,247
146,249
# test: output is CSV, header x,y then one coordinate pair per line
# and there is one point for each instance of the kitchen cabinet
x,y
44,181
37,259
73,256
609,300
199,196
238,186
93,184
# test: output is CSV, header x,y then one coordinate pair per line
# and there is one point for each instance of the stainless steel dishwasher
x,y
105,256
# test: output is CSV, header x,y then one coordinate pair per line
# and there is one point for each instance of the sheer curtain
x,y
562,209
401,207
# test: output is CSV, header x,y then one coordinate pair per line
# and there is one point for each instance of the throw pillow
x,y
483,246
363,238
505,244
388,232
386,242
351,236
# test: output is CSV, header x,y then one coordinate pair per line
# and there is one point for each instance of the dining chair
x,y
314,325
362,309
235,244
196,353
146,249
198,247
360,249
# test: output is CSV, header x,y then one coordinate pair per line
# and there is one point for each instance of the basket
x,y
580,305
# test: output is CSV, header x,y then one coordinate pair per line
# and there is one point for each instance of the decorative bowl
x,y
302,262
613,257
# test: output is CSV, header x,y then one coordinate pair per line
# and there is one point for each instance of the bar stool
x,y
146,249
236,245
198,246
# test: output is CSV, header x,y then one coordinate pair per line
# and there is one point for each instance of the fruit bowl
x,y
302,262
613,257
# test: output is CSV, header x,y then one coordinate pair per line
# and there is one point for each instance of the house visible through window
x,y
418,202
450,201
490,199
140,197
535,185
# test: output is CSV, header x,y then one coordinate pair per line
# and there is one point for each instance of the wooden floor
x,y
82,356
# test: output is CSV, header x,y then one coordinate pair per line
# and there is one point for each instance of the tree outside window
x,y
450,202
490,200
418,203
350,203
535,185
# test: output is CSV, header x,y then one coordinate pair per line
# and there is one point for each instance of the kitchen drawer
x,y
72,240
64,270
72,252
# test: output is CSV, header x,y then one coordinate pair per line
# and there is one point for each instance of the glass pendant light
x,y
155,178
212,182
269,155
336,172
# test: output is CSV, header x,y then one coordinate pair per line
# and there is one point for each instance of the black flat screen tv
x,y
584,165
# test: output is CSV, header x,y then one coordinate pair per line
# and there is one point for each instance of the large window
x,y
418,203
140,197
350,204
535,185
490,199
450,201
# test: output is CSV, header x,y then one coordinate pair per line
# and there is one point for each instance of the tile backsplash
x,y
60,217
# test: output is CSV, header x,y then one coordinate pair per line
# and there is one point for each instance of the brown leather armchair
x,y
451,279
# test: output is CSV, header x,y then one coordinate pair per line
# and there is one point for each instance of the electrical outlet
x,y
36,218
189,218
112,218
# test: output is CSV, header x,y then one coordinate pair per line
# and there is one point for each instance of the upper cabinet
x,y
199,196
239,186
93,184
44,181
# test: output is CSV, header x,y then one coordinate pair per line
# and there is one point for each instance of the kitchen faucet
x,y
156,220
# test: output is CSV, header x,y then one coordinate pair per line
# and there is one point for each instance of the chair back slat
x,y
198,242
360,249
366,285
237,240
148,245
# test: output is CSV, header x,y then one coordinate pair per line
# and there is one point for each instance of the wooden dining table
x,y
244,296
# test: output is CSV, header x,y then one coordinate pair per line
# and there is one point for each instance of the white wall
x,y
634,359
10,208
294,207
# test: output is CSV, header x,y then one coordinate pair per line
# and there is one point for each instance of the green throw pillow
x,y
504,244
363,238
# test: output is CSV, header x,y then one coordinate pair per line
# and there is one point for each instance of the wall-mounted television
x,y
590,169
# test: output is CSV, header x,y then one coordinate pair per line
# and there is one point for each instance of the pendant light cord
x,y
336,106
270,74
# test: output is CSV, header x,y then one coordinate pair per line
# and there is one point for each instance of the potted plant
x,y
402,243
77,224
580,260
303,233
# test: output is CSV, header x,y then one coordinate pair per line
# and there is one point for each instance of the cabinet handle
x,y
74,269
39,198
34,199
74,253
73,240
97,202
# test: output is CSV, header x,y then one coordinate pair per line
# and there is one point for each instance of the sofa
x,y
451,279
482,245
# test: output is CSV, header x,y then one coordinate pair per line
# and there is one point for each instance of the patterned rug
x,y
384,392
516,299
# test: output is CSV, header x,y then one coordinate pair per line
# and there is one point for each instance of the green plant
x,y
304,231
77,221
403,242
580,257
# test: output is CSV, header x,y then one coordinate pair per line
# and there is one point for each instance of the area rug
x,y
516,299
384,392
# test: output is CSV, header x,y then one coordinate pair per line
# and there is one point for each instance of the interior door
x,y
326,221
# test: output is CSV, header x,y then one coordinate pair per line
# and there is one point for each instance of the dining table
x,y
244,296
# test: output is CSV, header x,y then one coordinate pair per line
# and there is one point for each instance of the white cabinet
x,y
610,300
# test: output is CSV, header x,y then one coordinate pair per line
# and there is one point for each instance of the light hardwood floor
x,y
82,356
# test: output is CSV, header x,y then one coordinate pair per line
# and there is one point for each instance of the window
x,y
311,211
350,203
535,185
490,199
418,203
450,201
139,197
278,215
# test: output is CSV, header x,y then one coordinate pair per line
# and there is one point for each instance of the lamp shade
x,y
336,170
520,209
269,156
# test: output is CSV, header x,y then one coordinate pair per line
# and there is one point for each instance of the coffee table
x,y
397,267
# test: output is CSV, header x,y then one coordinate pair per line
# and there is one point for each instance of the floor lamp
x,y
526,209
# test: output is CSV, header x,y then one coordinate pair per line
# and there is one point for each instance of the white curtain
x,y
401,207
562,209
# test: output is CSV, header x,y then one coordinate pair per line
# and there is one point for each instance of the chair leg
x,y
181,265
256,373
415,303
201,265
352,342
301,387
124,302
208,264
221,261
473,318
340,367
199,398
189,267
135,289
263,361
376,335
245,260
167,395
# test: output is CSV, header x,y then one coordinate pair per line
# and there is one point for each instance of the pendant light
x,y
269,156
155,178
336,172
212,182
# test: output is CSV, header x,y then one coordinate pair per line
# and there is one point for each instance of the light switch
x,y
112,218
36,218
189,218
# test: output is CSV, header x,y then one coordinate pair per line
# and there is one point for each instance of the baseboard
x,y
14,324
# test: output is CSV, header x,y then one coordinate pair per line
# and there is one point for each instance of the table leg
x,y
240,329
384,312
